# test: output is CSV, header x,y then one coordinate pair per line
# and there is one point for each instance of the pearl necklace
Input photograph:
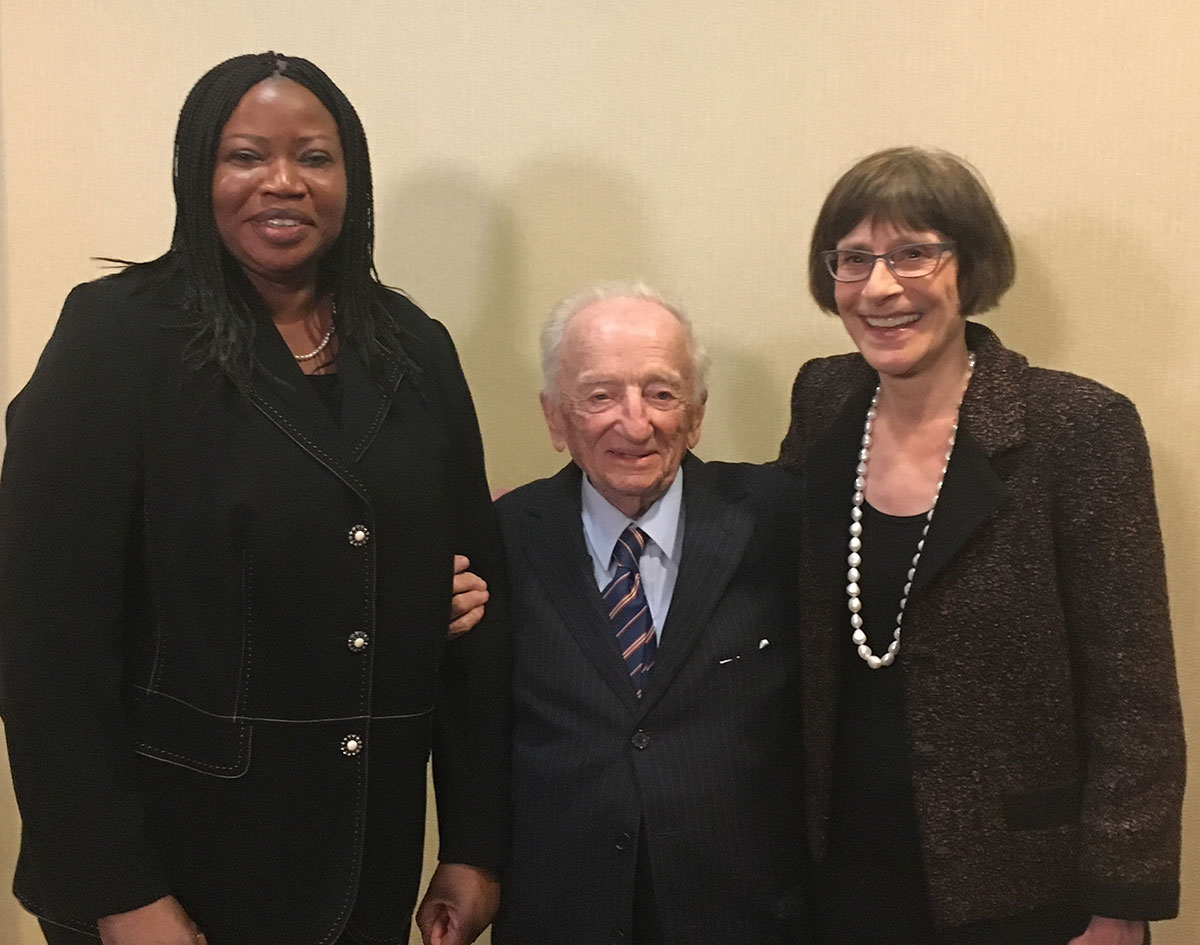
x,y
324,341
854,559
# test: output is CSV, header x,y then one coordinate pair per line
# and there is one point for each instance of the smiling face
x,y
279,183
625,403
903,327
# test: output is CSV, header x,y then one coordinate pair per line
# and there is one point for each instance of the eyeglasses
x,y
905,262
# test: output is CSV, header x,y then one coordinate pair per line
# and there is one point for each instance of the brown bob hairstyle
x,y
923,190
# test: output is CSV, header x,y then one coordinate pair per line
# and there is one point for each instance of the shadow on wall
x,y
13,922
5,307
749,405
16,925
490,260
1092,262
1030,318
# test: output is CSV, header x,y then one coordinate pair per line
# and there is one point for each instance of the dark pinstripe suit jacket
x,y
707,762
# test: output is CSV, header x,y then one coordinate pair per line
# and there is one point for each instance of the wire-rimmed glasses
x,y
905,262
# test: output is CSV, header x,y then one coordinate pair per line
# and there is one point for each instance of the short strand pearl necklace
x,y
324,341
856,529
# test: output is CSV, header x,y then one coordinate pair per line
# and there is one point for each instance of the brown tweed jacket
x,y
1041,702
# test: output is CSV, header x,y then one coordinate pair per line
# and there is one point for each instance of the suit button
x,y
641,739
624,841
352,745
357,641
359,535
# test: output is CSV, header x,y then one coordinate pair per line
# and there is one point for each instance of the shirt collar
x,y
604,523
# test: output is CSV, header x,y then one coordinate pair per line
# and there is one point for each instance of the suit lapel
x,y
715,532
829,478
829,482
365,400
280,390
971,494
991,421
554,550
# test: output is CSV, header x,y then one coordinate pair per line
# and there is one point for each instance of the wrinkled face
x,y
279,184
901,326
625,405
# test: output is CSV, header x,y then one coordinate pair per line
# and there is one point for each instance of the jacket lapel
x,y
366,401
991,421
716,530
829,477
554,549
284,395
829,482
971,494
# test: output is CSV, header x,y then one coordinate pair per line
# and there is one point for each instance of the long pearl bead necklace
x,y
858,636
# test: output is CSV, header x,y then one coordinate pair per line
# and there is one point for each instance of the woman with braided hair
x,y
229,505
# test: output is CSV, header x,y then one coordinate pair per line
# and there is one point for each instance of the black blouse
x,y
872,884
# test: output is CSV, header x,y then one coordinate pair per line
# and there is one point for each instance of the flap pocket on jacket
x,y
166,729
1042,808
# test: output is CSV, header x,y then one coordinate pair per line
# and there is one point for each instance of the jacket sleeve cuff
x,y
1126,901
117,884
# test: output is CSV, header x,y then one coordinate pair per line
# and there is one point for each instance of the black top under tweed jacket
x,y
206,594
1040,695
707,763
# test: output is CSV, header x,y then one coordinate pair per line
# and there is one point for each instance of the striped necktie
x,y
628,610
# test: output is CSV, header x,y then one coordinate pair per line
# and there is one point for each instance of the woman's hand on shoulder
x,y
163,922
470,593
1105,931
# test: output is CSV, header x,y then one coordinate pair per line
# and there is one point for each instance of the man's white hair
x,y
560,317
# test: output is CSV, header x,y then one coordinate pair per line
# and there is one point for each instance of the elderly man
x,y
656,751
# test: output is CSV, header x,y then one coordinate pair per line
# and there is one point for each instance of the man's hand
x,y
458,905
163,922
1102,931
470,594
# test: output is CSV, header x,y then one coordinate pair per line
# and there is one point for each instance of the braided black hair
x,y
222,306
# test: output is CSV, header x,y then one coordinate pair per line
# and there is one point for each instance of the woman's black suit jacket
x,y
223,622
1044,725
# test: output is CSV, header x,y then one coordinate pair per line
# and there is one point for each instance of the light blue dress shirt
x,y
662,523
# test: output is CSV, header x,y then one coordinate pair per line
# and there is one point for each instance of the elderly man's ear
x,y
556,423
697,421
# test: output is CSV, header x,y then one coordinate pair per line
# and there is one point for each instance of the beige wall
x,y
524,148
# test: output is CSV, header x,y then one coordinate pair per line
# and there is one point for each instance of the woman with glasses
x,y
993,732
